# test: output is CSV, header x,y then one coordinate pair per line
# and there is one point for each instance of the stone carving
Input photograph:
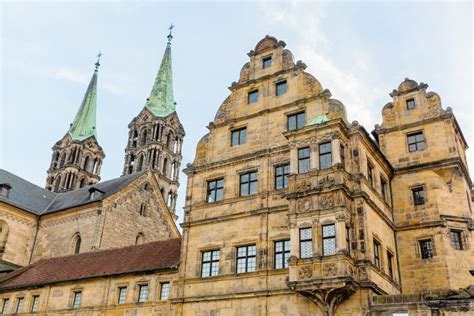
x,y
303,186
304,205
329,269
326,181
305,272
326,201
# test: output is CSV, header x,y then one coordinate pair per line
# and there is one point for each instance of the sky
x,y
359,50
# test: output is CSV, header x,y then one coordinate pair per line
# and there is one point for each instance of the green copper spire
x,y
84,123
161,100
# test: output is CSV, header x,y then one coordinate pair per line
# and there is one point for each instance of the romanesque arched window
x,y
76,243
170,199
143,209
57,183
55,160
165,167
3,236
62,161
86,163
130,163
134,138
168,140
140,163
94,165
144,137
82,183
139,239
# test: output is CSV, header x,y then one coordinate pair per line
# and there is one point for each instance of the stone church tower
x,y
156,134
77,157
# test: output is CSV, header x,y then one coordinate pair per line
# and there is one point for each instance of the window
x,y
215,190
19,305
418,195
456,239
246,259
281,88
303,160
416,141
6,302
329,240
390,264
5,189
165,291
306,242
122,294
325,155
142,293
343,156
370,174
383,189
296,121
239,136
410,104
35,304
426,248
77,246
266,62
210,263
281,176
143,209
76,301
252,96
377,254
248,183
282,253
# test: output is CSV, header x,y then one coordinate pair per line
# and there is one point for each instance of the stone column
x,y
341,244
336,151
294,241
317,238
293,159
314,156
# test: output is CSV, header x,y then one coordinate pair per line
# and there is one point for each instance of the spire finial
x,y
97,64
170,36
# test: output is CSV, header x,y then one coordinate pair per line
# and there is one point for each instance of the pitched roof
x,y
158,255
39,201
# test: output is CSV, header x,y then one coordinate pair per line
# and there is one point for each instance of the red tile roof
x,y
152,256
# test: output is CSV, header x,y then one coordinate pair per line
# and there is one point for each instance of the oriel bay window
x,y
248,183
303,160
325,155
215,190
296,121
306,242
281,176
282,254
210,263
329,240
246,259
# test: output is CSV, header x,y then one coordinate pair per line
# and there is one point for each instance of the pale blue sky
x,y
358,50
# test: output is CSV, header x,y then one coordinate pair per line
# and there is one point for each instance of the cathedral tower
x,y
77,157
156,134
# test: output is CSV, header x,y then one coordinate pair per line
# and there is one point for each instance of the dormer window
x,y
94,192
410,104
266,62
5,189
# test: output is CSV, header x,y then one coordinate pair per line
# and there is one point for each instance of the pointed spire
x,y
161,100
84,123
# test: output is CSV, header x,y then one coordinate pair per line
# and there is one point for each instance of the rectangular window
x,y
210,263
410,104
165,291
383,189
296,121
6,302
426,248
248,183
416,141
325,155
122,294
142,293
456,239
348,239
418,195
329,240
215,190
370,174
19,305
35,304
343,157
252,96
377,254
281,88
306,242
266,62
303,160
76,302
281,176
282,253
239,136
390,264
246,259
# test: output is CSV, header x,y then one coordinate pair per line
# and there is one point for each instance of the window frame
x,y
457,244
215,190
248,183
284,253
430,250
408,101
322,155
246,257
370,174
76,299
342,152
279,84
299,117
119,297
390,257
328,237
5,305
305,240
415,190
140,298
35,303
377,247
212,262
250,94
241,140
265,60
306,160
284,175
20,303
163,286
416,143
384,189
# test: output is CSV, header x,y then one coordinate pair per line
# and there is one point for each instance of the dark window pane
x,y
418,196
253,96
281,88
410,104
267,62
239,137
416,141
426,248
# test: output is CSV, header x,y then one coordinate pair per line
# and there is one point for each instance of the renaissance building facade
x,y
290,209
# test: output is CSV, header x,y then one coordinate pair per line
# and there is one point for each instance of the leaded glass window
x,y
329,240
142,293
210,263
306,242
19,305
416,141
76,302
165,291
426,248
456,239
122,294
377,254
35,304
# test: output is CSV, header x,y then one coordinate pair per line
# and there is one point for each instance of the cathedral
x,y
290,208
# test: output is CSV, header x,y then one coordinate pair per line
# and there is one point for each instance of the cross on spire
x,y
97,64
170,36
